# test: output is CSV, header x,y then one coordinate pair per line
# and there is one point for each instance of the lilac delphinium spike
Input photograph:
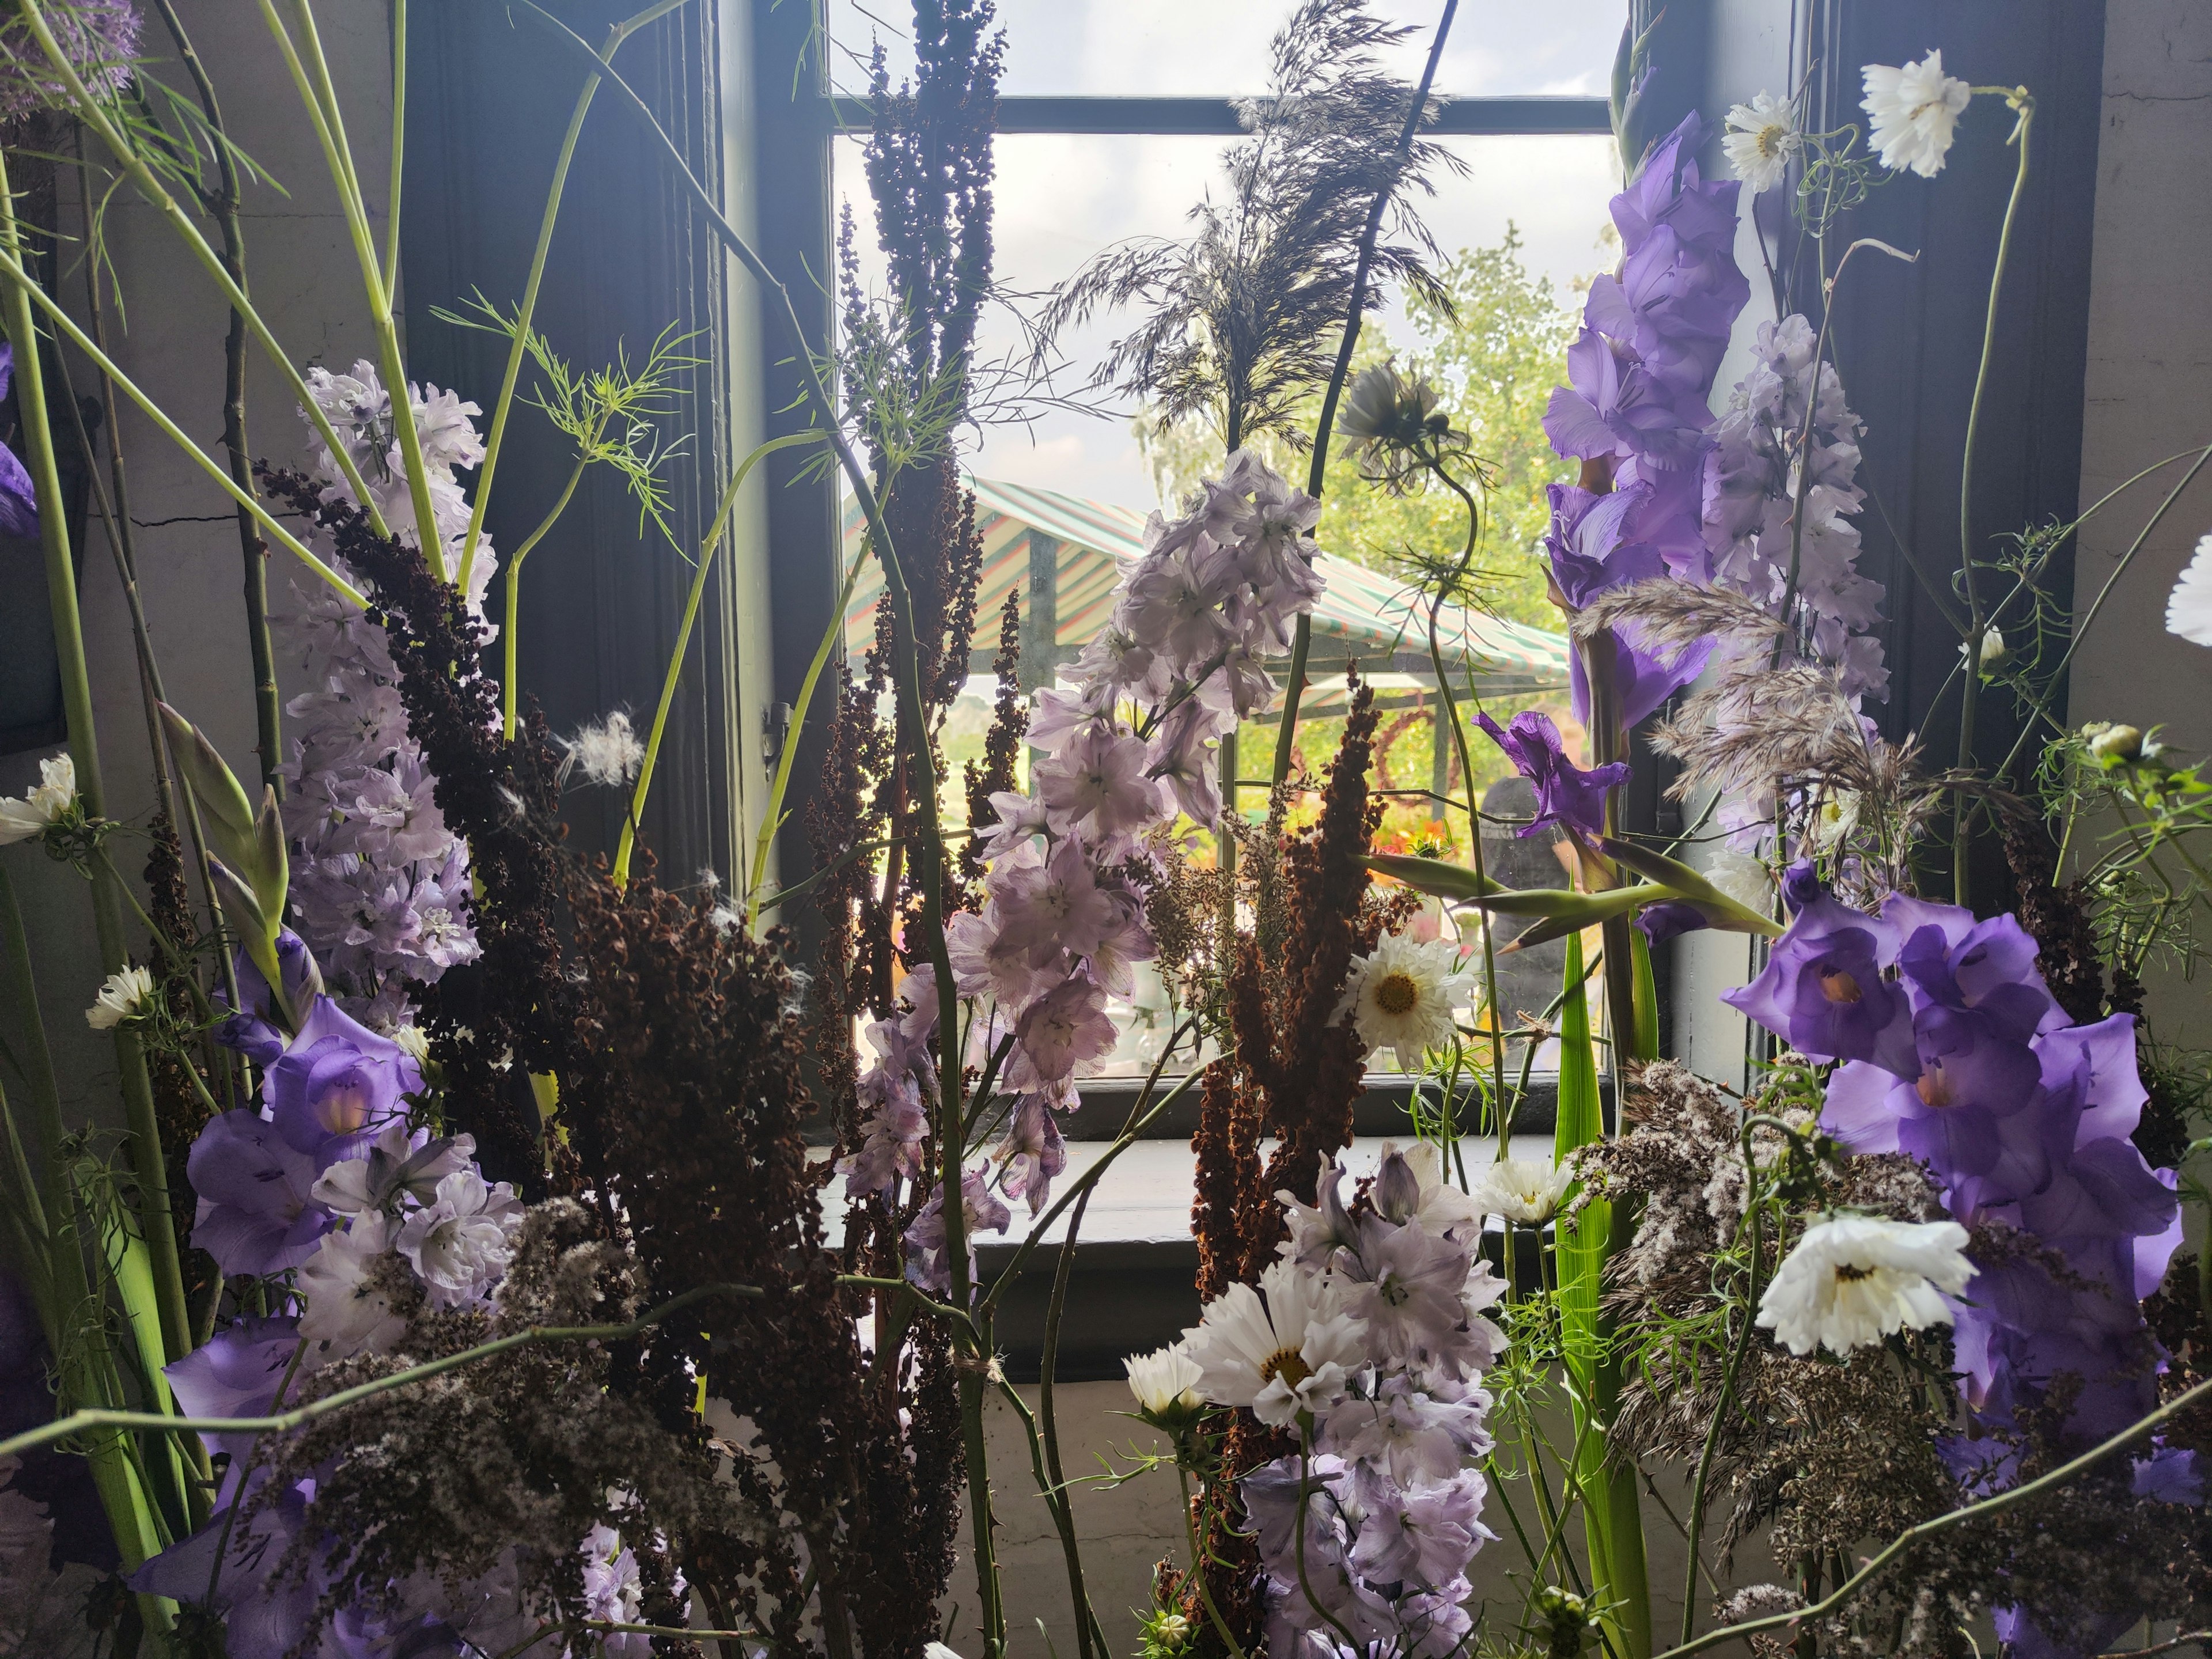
x,y
1753,524
1637,412
19,497
380,885
100,39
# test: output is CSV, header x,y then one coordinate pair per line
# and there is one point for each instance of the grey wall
x,y
2149,394
305,280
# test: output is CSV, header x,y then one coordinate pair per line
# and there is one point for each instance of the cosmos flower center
x,y
1286,1365
1771,140
1848,1272
1397,993
1840,987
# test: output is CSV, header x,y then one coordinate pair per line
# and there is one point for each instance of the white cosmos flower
x,y
608,753
1759,138
1165,1383
1522,1190
124,995
1993,649
2188,613
1282,1357
33,813
1402,997
1916,113
1835,820
1853,1280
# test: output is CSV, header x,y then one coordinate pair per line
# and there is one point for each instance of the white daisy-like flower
x,y
1915,113
415,1041
34,813
1835,819
1759,138
2110,743
1165,1383
1281,1356
607,753
1403,996
1853,1280
2188,613
1522,1190
125,995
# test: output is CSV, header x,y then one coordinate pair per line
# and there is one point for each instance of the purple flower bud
x,y
1397,1191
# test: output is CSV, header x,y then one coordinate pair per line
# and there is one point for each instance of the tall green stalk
x,y
2024,108
147,1162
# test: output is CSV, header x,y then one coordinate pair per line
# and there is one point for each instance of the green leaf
x,y
1434,876
1563,904
1717,907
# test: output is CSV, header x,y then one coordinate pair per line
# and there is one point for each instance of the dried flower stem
x,y
1905,1541
284,1422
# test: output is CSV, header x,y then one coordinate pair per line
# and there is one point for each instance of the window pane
x,y
1061,197
1161,47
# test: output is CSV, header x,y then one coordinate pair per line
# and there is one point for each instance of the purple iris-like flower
x,y
1825,990
235,1373
1590,542
1565,794
257,1213
336,1085
256,1028
1614,406
19,499
2171,1474
1669,918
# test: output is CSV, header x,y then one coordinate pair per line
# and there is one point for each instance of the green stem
x,y
224,206
399,152
519,346
715,535
13,274
84,751
1695,1527
90,111
1198,1571
1287,730
317,91
509,679
1960,841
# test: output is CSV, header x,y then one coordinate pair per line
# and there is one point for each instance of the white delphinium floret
x,y
1165,1383
1915,113
607,753
2189,610
127,995
39,810
348,1286
1280,1357
461,1243
1760,136
1403,997
1853,1280
1523,1190
1743,879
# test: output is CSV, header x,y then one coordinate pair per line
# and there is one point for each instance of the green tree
x,y
1493,357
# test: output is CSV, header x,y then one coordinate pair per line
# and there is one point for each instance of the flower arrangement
x,y
464,1284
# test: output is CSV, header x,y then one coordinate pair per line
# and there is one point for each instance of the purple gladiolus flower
x,y
336,1085
19,499
1669,918
235,1373
256,1213
256,1029
1565,794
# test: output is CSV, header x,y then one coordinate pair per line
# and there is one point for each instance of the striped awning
x,y
1363,614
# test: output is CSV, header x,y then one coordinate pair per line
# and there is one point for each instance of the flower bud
x,y
1397,1190
2112,743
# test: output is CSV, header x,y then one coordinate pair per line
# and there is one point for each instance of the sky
x,y
1060,199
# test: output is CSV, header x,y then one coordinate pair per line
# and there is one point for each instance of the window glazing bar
x,y
1217,116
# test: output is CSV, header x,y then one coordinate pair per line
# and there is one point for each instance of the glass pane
x,y
1159,48
1061,197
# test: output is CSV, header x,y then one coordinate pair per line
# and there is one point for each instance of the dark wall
x,y
1907,337
489,99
